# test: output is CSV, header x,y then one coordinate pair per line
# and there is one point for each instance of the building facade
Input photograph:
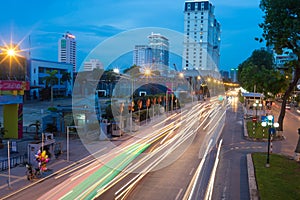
x,y
67,49
154,55
234,74
142,55
38,72
92,64
202,37
160,51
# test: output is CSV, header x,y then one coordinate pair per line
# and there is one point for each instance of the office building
x,y
92,64
154,55
234,74
160,51
39,70
202,37
67,49
142,55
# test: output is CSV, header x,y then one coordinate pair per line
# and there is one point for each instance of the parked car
x,y
288,106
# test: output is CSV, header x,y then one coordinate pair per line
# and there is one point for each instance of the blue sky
x,y
93,21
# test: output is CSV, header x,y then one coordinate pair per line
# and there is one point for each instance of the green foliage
x,y
280,181
52,109
51,78
255,130
66,77
257,72
133,71
281,30
281,26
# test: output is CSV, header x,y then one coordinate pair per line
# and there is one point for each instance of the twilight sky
x,y
93,21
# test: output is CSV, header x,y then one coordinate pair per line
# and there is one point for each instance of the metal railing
x,y
14,161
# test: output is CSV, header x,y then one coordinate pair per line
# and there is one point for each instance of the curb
x,y
253,191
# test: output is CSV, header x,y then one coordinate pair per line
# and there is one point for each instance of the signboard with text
x,y
14,85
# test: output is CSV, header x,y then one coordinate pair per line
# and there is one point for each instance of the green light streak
x,y
109,171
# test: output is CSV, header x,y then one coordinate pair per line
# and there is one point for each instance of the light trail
x,y
191,188
128,153
209,191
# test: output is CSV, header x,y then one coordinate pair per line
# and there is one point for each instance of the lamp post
x,y
255,106
271,130
260,108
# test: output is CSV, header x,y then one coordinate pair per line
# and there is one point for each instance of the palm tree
x,y
51,80
37,125
110,77
66,78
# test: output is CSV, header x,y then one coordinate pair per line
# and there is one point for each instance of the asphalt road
x,y
232,177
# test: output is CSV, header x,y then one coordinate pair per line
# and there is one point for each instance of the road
x,y
232,177
167,157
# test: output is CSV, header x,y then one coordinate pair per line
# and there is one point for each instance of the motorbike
x,y
32,173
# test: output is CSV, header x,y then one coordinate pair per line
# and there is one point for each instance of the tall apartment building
x,y
154,55
233,74
160,50
142,55
202,37
67,49
92,64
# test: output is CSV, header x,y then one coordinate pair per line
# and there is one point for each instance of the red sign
x,y
14,85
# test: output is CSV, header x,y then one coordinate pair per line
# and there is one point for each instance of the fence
x,y
14,161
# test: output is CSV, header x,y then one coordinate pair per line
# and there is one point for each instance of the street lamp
x,y
271,125
255,106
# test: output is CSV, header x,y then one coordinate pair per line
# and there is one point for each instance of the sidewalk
x,y
285,147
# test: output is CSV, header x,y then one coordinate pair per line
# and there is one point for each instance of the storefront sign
x,y
14,85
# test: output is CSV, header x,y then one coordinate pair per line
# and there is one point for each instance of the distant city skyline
x,y
40,25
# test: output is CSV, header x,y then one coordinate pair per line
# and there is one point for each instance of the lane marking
x,y
192,171
179,193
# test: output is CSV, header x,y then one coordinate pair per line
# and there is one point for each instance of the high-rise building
x,y
234,74
160,50
202,36
142,55
155,55
67,49
92,64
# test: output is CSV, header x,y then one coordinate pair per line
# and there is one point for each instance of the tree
x,y
51,79
37,125
281,29
66,78
110,77
133,71
257,73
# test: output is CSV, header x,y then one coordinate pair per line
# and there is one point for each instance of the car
x,y
298,110
288,106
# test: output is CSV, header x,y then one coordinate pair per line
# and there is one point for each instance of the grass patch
x,y
256,130
280,181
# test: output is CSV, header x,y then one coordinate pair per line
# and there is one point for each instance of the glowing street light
x,y
116,70
271,130
147,72
181,75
